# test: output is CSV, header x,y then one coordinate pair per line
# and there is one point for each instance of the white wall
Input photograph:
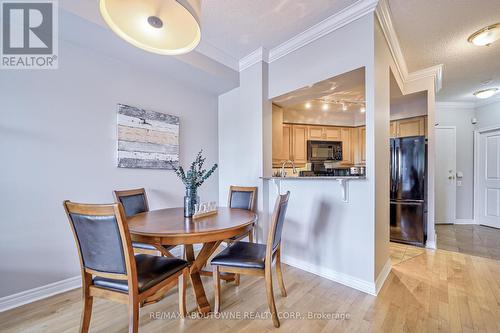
x,y
460,117
322,233
58,141
488,114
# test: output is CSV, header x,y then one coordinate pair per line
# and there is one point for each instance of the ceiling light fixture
x,y
485,36
158,26
344,107
486,93
325,107
362,109
308,105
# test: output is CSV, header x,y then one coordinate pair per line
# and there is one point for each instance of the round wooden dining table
x,y
170,227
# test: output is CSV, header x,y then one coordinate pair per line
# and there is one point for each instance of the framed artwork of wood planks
x,y
147,139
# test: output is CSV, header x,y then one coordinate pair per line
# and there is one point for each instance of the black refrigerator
x,y
408,190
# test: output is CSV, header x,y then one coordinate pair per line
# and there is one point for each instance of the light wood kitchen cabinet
x,y
333,133
346,136
394,129
316,133
299,144
328,133
362,144
409,127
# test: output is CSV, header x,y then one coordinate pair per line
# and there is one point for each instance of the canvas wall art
x,y
147,139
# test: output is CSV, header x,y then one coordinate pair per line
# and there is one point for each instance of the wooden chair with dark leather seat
x,y
111,270
134,202
255,259
242,197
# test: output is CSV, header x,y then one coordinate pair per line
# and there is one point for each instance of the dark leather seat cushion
x,y
151,270
145,246
242,255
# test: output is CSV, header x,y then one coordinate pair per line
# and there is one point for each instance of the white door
x,y
445,187
488,178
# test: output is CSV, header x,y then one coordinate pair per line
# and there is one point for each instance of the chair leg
x,y
279,272
133,316
250,236
182,292
270,297
87,301
237,279
216,278
86,312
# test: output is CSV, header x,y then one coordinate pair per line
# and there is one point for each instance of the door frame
x,y
454,128
475,200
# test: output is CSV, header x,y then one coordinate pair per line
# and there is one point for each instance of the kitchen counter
x,y
315,178
342,180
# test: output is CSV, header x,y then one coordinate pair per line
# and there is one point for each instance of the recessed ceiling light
x,y
158,26
308,105
485,36
486,93
362,109
325,107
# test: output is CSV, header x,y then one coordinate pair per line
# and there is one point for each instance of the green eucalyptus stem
x,y
195,175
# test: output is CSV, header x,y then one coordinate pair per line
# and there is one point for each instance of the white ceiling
x,y
435,32
239,27
348,87
232,29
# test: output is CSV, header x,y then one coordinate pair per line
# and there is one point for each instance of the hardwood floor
x,y
476,240
427,291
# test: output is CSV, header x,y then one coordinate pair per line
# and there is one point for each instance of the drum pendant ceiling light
x,y
168,27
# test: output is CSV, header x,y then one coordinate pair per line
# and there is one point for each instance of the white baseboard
x,y
382,276
345,279
465,221
35,294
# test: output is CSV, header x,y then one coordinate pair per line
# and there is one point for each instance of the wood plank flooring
x,y
427,291
476,240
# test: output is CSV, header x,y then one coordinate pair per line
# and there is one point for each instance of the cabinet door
x,y
411,127
394,129
277,134
299,146
362,144
286,144
347,149
315,133
333,133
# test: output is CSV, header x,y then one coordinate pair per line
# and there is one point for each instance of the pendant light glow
x,y
485,36
308,105
362,109
325,107
168,27
487,93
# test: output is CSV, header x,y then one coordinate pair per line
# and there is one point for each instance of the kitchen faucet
x,y
283,173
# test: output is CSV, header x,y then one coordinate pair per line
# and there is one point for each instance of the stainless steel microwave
x,y
318,151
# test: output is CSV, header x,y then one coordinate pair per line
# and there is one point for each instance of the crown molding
x,y
383,13
217,54
332,23
261,54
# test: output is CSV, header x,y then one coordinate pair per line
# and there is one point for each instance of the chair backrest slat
x,y
134,201
242,197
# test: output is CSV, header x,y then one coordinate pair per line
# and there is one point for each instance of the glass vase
x,y
190,199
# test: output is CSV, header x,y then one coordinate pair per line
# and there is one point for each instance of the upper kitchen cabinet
x,y
346,136
415,126
299,144
316,133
